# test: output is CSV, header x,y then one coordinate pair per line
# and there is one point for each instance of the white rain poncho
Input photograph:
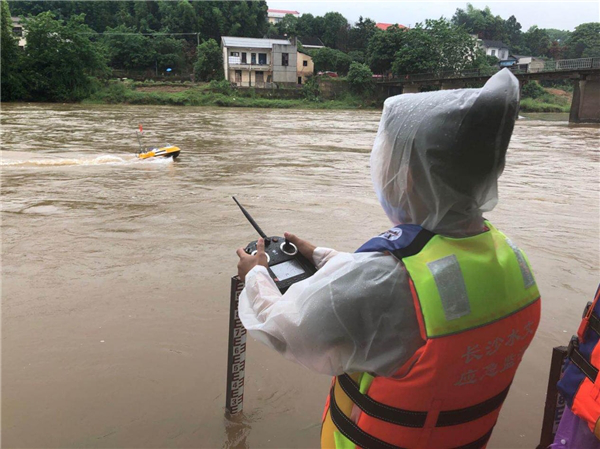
x,y
435,162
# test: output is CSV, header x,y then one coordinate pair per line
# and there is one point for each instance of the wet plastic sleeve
x,y
355,314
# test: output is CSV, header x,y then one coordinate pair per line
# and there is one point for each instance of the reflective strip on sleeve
x,y
525,271
451,287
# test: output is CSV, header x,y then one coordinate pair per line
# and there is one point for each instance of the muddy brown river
x,y
116,272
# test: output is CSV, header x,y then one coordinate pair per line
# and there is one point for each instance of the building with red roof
x,y
277,15
385,26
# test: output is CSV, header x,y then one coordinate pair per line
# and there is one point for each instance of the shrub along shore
x,y
222,94
534,98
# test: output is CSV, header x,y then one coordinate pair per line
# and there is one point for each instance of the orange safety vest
x,y
478,308
580,384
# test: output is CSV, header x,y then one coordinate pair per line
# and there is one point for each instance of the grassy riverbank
x,y
220,94
535,98
542,99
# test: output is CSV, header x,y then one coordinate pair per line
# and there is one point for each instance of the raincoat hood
x,y
438,155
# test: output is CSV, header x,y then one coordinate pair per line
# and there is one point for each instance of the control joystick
x,y
286,265
289,248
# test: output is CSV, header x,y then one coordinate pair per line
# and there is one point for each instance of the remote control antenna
x,y
250,219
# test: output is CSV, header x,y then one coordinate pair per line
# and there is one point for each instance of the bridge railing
x,y
549,66
572,64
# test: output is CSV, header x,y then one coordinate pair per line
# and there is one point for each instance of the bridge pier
x,y
410,89
585,107
448,85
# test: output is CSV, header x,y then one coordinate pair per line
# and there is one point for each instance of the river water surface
x,y
116,272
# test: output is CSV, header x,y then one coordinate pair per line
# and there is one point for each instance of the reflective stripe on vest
x,y
580,384
463,289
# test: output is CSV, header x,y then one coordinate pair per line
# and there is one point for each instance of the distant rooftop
x,y
310,41
280,13
283,11
385,26
493,44
252,42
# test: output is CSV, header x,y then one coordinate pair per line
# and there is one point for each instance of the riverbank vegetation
x,y
76,49
536,98
223,94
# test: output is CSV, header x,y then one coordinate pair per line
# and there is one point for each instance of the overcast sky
x,y
563,15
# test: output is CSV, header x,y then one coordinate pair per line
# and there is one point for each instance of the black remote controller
x,y
286,265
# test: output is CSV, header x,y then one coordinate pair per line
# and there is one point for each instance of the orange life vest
x,y
478,309
580,384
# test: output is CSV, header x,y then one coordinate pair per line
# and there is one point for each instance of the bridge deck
x,y
565,68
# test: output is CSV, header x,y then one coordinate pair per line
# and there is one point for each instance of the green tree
x,y
480,22
127,49
585,41
144,17
360,78
437,46
360,34
512,31
272,31
209,65
168,52
306,26
245,18
60,59
12,86
288,25
556,51
335,32
329,59
537,40
187,18
382,48
560,36
358,56
532,89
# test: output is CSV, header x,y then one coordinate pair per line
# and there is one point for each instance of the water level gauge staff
x,y
423,326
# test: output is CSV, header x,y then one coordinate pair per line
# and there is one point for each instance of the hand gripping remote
x,y
286,265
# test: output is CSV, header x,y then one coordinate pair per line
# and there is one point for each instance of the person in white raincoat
x,y
356,313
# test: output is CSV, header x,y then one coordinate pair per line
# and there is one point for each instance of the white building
x,y
18,31
494,48
253,62
276,15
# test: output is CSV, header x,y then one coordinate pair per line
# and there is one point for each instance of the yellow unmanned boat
x,y
168,151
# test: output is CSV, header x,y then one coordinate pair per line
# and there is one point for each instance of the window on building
x,y
299,80
234,53
253,58
262,58
493,52
244,60
285,59
238,76
305,63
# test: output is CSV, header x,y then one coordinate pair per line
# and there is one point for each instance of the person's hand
x,y
247,262
306,248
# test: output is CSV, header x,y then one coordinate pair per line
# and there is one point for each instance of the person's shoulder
x,y
396,238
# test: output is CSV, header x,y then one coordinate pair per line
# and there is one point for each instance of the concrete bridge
x,y
585,73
